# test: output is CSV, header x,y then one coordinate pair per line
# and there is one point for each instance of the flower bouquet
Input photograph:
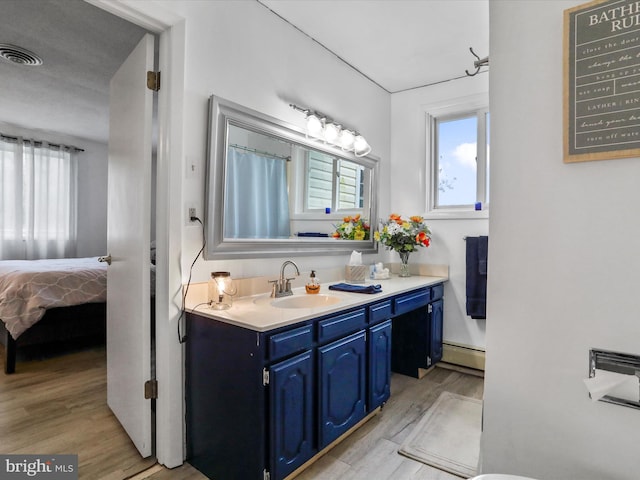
x,y
403,236
352,228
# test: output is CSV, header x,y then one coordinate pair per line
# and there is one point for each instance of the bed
x,y
44,301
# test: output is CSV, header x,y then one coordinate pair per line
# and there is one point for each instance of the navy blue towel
x,y
312,234
477,276
347,287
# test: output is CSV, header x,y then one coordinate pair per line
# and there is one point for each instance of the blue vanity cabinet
x,y
417,330
261,404
436,314
342,380
291,391
379,351
435,309
379,344
226,419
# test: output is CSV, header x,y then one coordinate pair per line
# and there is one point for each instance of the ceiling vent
x,y
18,55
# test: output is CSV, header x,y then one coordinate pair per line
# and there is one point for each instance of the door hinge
x,y
265,377
266,475
428,360
153,81
151,389
430,308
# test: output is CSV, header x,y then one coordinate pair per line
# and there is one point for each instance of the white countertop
x,y
257,313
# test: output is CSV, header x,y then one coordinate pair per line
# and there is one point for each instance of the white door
x,y
128,284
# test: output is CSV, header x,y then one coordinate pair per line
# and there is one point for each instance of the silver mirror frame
x,y
223,113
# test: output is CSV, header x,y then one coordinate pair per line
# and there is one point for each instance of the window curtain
x,y
39,200
257,197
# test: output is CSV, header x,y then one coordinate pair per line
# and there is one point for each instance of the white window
x,y
458,139
38,205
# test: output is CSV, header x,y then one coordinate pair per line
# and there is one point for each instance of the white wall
x,y
563,270
92,186
92,199
242,52
409,183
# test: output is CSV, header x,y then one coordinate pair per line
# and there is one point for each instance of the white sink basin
x,y
305,301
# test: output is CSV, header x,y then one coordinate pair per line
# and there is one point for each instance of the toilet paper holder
x,y
624,363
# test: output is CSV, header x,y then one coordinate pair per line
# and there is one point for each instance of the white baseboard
x,y
465,355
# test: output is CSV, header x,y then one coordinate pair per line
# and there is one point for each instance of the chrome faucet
x,y
282,286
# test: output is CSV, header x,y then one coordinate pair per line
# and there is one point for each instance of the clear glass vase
x,y
404,264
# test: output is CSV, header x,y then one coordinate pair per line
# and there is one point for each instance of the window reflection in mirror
x,y
333,183
278,192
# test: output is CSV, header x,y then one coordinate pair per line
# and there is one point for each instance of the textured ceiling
x,y
82,46
398,44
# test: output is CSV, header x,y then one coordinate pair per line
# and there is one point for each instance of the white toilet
x,y
500,476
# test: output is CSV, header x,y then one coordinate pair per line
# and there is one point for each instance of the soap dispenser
x,y
312,286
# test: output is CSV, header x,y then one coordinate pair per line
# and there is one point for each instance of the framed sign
x,y
602,81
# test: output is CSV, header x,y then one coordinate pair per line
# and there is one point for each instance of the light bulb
x,y
346,139
314,126
360,146
331,132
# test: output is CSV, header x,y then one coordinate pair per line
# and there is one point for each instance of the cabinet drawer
x,y
291,341
340,325
379,312
411,301
437,291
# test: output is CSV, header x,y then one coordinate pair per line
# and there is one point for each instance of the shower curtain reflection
x,y
256,198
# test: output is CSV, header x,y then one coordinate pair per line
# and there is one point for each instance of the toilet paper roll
x,y
615,384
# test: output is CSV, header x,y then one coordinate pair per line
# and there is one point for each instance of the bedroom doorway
x,y
35,18
170,29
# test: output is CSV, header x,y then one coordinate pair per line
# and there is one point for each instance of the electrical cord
x,y
181,338
200,304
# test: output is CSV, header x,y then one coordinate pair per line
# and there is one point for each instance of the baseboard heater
x,y
464,355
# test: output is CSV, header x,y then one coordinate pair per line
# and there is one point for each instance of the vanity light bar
x,y
321,128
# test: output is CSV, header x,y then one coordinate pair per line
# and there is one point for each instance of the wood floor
x,y
58,405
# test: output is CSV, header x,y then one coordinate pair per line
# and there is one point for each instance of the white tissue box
x,y
355,273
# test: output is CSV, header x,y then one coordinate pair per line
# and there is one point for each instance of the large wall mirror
x,y
273,192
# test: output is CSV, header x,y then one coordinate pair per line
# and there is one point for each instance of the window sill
x,y
457,215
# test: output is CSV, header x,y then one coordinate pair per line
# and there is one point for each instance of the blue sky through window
x,y
457,166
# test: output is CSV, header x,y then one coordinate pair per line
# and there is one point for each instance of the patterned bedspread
x,y
29,287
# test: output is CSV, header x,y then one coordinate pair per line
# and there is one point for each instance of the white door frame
x,y
170,437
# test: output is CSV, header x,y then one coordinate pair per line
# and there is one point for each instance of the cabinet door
x,y
435,340
342,379
291,395
379,364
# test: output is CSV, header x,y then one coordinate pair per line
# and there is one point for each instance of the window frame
x,y
475,105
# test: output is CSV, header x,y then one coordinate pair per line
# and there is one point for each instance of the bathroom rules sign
x,y
602,81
